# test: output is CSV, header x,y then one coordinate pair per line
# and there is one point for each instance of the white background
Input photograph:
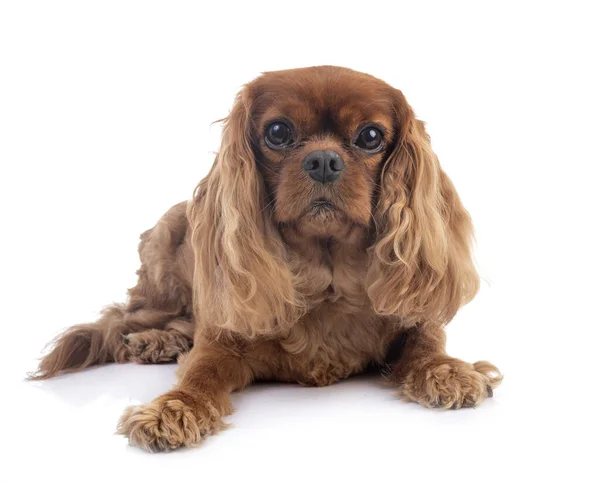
x,y
105,121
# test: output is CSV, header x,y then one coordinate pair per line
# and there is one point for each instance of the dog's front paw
x,y
171,421
450,383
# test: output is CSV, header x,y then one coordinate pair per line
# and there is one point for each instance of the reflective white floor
x,y
356,429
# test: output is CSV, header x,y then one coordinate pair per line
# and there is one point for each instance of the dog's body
x,y
325,231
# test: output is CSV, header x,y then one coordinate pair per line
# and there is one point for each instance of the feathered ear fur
x,y
421,267
241,280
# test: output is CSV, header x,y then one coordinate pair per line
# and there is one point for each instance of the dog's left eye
x,y
370,139
278,135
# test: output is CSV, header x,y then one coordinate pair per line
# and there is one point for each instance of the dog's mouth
x,y
320,207
324,211
322,217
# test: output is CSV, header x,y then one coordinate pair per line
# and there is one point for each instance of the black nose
x,y
323,166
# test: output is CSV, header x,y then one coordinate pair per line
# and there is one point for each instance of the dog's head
x,y
320,137
326,150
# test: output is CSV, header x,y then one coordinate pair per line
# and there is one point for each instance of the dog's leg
x,y
427,375
161,297
161,345
101,342
184,416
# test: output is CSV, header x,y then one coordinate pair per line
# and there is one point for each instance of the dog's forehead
x,y
317,97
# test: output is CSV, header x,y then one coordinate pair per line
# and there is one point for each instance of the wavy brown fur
x,y
279,277
82,346
159,301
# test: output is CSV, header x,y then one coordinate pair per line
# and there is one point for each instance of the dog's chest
x,y
328,344
340,334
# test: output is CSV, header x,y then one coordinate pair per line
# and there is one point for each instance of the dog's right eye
x,y
370,139
278,135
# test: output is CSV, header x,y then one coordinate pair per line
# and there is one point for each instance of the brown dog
x,y
324,234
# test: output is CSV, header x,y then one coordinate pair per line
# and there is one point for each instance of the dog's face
x,y
319,152
321,138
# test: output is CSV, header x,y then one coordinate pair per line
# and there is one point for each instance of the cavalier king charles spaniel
x,y
324,240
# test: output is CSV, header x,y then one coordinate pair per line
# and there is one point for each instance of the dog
x,y
325,237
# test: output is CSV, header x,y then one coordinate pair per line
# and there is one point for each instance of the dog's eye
x,y
278,135
370,139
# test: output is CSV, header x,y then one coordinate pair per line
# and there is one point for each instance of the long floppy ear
x,y
241,281
421,267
